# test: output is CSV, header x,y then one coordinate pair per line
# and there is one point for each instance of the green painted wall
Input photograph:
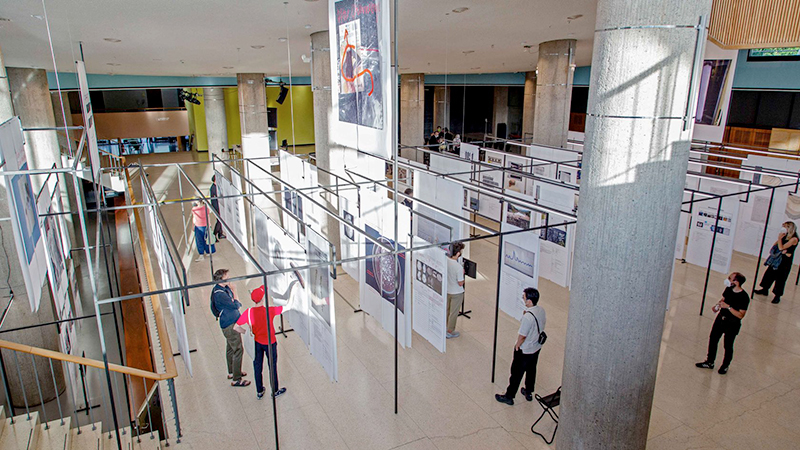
x,y
302,97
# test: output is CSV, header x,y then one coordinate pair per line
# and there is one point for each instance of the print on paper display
x,y
348,231
381,267
359,63
429,276
320,297
519,259
520,218
25,203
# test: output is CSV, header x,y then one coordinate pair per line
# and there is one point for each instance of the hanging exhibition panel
x,y
520,262
350,241
23,211
440,193
384,279
322,315
704,225
714,93
361,75
301,174
88,121
557,243
231,209
469,152
285,253
515,182
488,206
430,294
449,165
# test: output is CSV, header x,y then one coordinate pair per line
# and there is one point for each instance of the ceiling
x,y
223,37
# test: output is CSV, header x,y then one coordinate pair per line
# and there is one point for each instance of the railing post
x,y
5,386
171,386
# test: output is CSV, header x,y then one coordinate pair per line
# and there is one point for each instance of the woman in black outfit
x,y
786,245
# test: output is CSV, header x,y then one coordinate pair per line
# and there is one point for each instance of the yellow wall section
x,y
303,116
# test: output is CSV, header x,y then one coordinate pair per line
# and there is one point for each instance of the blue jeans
x,y
200,241
258,365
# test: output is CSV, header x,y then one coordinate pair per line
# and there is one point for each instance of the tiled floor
x,y
446,400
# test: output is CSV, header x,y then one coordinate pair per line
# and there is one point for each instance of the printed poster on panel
x,y
520,262
430,294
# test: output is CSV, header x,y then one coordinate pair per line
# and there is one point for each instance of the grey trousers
x,y
233,352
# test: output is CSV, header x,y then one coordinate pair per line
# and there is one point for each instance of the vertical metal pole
x,y
497,301
55,389
22,386
149,417
272,386
5,386
711,256
39,388
763,238
174,399
395,143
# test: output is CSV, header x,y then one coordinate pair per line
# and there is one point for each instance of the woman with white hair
x,y
779,263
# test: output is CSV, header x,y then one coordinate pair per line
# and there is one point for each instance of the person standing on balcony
x,y
200,220
225,307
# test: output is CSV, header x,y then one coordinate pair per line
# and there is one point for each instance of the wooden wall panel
x,y
755,23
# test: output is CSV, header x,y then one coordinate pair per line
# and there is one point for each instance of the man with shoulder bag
x,y
526,350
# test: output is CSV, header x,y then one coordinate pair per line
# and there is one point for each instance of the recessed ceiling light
x,y
576,16
114,40
282,39
308,26
467,52
257,47
112,64
460,10
3,19
36,16
474,68
227,67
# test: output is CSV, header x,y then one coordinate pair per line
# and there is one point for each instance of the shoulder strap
x,y
534,318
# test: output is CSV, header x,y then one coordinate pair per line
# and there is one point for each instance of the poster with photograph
x,y
57,269
350,240
713,85
557,242
361,72
322,316
440,192
88,121
519,269
469,152
430,294
301,175
23,211
385,273
518,217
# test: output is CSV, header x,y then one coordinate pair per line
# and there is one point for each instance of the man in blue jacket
x,y
225,307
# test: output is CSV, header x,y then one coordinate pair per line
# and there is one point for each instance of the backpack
x,y
216,312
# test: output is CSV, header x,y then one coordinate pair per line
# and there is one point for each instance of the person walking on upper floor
x,y
779,263
455,288
263,329
200,220
531,337
225,307
730,310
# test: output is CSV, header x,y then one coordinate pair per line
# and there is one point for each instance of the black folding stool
x,y
547,403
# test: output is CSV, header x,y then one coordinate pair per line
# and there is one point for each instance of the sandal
x,y
240,383
230,376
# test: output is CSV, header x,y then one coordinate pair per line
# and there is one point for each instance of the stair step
x,y
88,439
23,434
124,436
147,443
56,436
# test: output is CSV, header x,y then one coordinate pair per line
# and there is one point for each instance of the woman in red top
x,y
200,219
256,317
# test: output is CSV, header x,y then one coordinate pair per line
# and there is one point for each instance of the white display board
x,y
704,225
714,93
446,195
88,121
385,278
231,208
350,240
469,152
520,262
321,311
300,174
460,169
430,294
57,269
23,211
361,75
558,242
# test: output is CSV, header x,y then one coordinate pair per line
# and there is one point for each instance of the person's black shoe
x,y
777,299
528,395
705,365
761,292
503,399
280,392
723,370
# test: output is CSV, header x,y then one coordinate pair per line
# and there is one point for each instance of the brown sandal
x,y
240,383
230,376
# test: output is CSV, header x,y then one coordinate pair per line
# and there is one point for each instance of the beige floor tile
x,y
487,438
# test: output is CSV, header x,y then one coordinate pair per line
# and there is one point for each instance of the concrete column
x,y
412,113
634,168
328,154
441,107
30,99
500,113
553,92
216,123
529,105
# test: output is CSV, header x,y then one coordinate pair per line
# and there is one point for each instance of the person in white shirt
x,y
455,288
526,349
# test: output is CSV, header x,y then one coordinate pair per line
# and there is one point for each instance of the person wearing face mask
x,y
779,263
730,310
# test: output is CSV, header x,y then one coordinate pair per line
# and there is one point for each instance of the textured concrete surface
x,y
216,124
529,105
553,92
412,112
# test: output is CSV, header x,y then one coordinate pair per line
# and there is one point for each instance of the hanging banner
x,y
88,121
430,294
361,80
23,211
322,314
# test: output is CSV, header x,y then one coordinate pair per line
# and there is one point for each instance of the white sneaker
x,y
200,258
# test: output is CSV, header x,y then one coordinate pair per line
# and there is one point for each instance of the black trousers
x,y
522,364
778,276
218,230
258,365
723,326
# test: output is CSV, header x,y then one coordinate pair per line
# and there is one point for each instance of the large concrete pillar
x,y
255,134
553,92
30,99
529,105
441,107
412,113
634,167
500,111
216,122
328,154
